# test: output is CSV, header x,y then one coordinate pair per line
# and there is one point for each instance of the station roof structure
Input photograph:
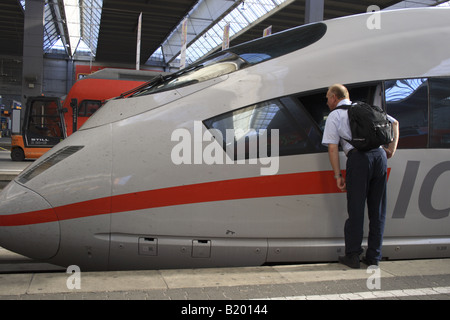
x,y
106,30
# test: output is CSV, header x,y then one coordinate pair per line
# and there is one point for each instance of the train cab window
x,y
439,112
407,101
215,66
247,124
88,107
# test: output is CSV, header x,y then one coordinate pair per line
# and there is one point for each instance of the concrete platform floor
x,y
21,278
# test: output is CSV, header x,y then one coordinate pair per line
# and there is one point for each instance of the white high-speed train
x,y
221,164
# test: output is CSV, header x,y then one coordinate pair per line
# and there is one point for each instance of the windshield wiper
x,y
155,81
161,81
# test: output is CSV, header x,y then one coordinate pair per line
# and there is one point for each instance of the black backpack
x,y
369,126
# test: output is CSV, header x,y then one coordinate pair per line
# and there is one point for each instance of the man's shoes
x,y
350,261
370,262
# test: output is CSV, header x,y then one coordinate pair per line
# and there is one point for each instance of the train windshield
x,y
236,58
216,66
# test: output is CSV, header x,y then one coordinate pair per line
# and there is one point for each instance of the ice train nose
x,y
28,224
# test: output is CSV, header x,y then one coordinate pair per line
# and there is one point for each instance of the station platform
x,y
9,169
24,279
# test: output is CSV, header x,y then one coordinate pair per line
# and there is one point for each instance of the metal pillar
x,y
314,10
33,54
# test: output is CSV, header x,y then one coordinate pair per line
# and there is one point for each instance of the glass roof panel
x,y
205,42
239,18
91,12
214,41
51,34
83,24
158,55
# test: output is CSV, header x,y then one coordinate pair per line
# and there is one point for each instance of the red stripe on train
x,y
320,182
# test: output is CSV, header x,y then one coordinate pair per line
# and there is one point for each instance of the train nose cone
x,y
28,224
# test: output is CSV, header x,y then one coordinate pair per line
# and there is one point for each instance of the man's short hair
x,y
340,91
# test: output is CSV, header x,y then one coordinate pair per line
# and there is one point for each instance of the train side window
x,y
88,107
440,112
313,106
309,119
249,122
407,101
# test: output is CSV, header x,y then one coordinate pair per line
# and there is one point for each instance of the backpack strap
x,y
343,107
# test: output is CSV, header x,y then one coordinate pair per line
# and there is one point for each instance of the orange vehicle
x,y
42,128
47,120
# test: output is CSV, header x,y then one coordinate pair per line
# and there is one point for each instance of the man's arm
x,y
392,147
333,153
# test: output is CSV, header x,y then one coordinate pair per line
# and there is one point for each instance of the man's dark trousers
x,y
366,179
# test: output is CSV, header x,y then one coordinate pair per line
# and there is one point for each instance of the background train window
x,y
248,122
407,101
88,107
440,112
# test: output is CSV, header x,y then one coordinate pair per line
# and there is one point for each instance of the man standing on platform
x,y
366,179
